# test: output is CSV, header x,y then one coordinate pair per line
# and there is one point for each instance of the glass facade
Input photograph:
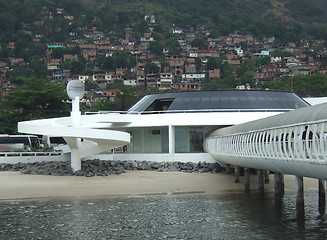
x,y
156,140
196,139
148,140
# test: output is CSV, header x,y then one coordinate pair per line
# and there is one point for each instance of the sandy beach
x,y
14,185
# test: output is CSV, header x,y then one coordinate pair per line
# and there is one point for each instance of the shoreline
x,y
17,186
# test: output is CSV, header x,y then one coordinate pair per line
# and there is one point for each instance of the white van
x,y
53,141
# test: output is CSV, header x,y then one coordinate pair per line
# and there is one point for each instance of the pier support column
x,y
299,197
75,163
322,196
266,173
237,174
228,169
261,187
279,185
246,180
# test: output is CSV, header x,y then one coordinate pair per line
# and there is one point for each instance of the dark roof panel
x,y
224,99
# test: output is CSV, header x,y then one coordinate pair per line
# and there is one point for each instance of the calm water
x,y
224,216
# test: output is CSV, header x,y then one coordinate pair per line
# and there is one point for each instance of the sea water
x,y
201,216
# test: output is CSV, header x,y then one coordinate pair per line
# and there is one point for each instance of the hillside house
x,y
176,64
54,64
190,65
214,73
166,80
110,94
102,78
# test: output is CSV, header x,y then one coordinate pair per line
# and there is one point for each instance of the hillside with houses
x,y
144,53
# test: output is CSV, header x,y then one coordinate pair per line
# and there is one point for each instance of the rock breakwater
x,y
97,167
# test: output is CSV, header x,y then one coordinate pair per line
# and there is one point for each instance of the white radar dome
x,y
75,88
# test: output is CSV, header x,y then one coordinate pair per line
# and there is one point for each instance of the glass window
x,y
196,139
164,140
181,140
34,142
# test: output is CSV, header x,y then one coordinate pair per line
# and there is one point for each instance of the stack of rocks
x,y
98,167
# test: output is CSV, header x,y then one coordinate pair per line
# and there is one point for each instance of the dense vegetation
x,y
34,99
287,20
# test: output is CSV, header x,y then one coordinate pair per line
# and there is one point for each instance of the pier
x,y
292,143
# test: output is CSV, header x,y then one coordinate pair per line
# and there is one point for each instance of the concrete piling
x,y
279,184
237,174
228,169
279,188
322,196
261,187
246,180
266,173
299,197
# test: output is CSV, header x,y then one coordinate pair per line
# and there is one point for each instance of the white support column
x,y
75,161
75,113
76,121
171,139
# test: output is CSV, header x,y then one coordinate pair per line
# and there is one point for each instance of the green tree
x,y
280,53
198,64
89,85
217,83
276,85
246,72
106,63
173,46
103,105
67,64
213,63
78,67
151,68
156,48
18,74
201,43
125,98
315,83
156,36
38,66
260,61
227,69
58,53
35,99
184,20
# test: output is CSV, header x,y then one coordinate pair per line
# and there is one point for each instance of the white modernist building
x,y
163,127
